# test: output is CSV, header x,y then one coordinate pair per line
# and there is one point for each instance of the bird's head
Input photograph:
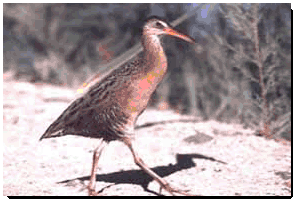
x,y
156,26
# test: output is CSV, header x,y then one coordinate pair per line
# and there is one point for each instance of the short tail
x,y
50,134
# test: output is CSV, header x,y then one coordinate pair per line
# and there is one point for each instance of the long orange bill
x,y
172,32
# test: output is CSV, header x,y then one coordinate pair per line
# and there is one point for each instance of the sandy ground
x,y
206,158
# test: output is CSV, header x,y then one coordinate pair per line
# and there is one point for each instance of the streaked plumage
x,y
111,106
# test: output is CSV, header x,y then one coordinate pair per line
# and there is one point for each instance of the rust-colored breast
x,y
141,90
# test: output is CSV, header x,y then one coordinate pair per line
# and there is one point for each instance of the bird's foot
x,y
173,190
92,192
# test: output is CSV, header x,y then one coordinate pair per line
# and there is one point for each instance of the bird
x,y
109,109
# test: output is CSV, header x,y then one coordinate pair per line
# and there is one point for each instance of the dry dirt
x,y
207,158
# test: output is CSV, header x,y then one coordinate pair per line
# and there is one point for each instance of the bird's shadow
x,y
139,177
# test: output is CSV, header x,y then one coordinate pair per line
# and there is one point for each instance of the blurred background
x,y
239,70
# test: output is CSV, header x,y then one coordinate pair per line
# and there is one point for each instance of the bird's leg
x,y
163,184
92,185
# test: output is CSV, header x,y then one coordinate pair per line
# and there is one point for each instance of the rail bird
x,y
110,108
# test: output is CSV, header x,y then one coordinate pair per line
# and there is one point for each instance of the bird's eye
x,y
159,25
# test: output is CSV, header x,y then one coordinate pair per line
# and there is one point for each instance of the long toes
x,y
93,193
185,192
173,190
182,192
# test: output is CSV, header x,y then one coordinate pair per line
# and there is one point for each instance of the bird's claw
x,y
173,190
92,192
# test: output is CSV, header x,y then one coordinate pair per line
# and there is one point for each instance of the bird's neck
x,y
154,55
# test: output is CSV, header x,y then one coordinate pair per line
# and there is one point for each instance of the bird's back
x,y
112,105
106,109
